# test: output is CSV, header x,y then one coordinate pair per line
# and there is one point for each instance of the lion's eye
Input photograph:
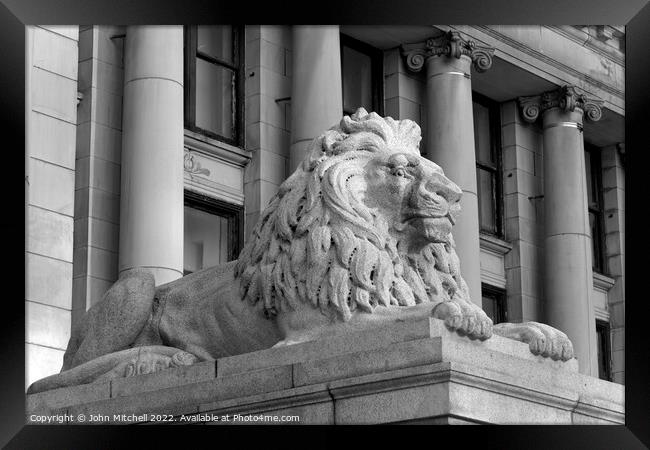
x,y
399,172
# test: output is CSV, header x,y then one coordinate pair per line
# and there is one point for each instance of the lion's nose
x,y
444,187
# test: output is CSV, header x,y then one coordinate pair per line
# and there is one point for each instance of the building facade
x,y
159,146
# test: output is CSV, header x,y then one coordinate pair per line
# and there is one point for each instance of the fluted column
x,y
316,87
568,283
450,132
151,199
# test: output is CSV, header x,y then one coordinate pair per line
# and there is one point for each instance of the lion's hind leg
x,y
125,363
115,322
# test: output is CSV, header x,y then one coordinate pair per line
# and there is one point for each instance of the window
x,y
494,303
214,81
362,72
213,232
595,205
488,164
602,336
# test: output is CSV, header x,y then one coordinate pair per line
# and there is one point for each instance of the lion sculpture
x,y
358,235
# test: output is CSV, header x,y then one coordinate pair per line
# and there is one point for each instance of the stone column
x,y
568,283
151,198
450,132
316,86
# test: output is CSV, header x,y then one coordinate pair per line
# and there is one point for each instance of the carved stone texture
x,y
450,44
358,236
567,98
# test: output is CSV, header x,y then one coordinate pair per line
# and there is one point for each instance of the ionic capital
x,y
450,44
567,98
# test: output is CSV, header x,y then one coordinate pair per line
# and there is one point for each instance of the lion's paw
x,y
467,320
152,362
542,339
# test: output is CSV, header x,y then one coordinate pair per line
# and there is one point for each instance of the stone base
x,y
411,371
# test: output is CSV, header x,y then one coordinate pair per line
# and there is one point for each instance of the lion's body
x,y
359,234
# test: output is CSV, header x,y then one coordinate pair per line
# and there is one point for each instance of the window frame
x,y
233,213
597,208
494,117
603,329
501,298
190,53
376,70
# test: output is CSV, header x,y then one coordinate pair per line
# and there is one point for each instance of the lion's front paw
x,y
542,339
467,320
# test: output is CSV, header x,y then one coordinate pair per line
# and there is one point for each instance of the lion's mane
x,y
318,242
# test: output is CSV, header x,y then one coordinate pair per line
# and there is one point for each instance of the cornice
x,y
550,61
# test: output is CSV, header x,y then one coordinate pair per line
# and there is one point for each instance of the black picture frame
x,y
635,14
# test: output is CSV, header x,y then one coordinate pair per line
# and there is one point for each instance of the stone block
x,y
47,402
252,57
252,33
614,198
510,113
109,77
41,362
277,34
105,175
55,53
107,143
47,325
400,331
103,235
396,356
100,263
312,403
203,371
51,187
185,399
108,48
104,205
54,95
523,135
52,140
267,166
49,281
618,339
87,42
409,110
68,31
49,233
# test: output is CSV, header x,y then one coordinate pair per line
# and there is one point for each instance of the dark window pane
x,y
596,258
487,213
482,141
214,100
602,334
591,188
357,80
215,41
489,307
206,240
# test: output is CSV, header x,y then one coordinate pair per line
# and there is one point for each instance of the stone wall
x,y
51,85
524,214
98,155
614,204
267,115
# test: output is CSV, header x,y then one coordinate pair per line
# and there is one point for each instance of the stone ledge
x,y
411,370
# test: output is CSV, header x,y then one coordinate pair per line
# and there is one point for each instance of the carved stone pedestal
x,y
414,371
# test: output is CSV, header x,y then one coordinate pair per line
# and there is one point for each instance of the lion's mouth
x,y
420,215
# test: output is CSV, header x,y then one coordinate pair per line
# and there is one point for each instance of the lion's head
x,y
364,221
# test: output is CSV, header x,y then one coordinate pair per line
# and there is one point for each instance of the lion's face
x,y
419,203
